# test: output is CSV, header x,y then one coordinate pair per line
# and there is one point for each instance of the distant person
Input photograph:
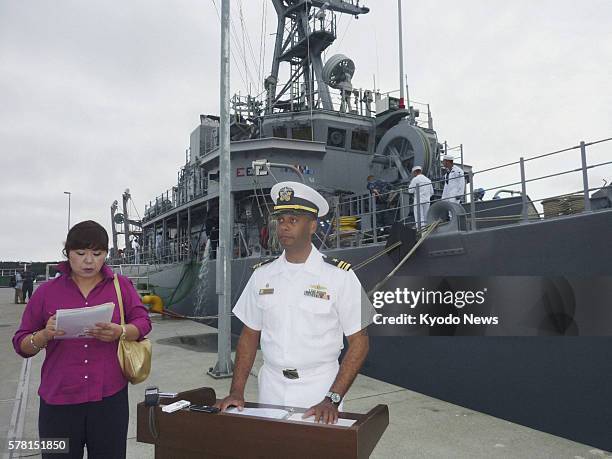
x,y
382,193
17,283
83,392
171,245
211,226
454,181
198,243
18,288
136,250
158,246
425,190
28,285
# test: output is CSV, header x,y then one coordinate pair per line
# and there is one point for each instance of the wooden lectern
x,y
189,434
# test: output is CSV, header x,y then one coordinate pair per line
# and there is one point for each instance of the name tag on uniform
x,y
317,291
266,291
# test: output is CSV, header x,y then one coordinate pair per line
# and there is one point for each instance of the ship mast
x,y
126,223
402,102
301,38
224,366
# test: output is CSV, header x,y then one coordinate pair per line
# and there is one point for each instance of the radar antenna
x,y
337,74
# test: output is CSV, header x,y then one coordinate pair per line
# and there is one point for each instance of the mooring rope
x,y
424,236
378,255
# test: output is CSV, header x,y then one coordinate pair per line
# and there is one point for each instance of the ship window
x,y
301,133
360,140
279,131
336,137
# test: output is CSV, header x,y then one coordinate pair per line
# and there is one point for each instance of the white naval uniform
x,y
454,185
301,331
136,249
425,193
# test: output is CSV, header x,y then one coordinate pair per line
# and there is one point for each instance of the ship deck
x,y
420,426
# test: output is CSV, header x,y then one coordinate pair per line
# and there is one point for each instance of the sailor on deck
x,y
422,186
136,250
299,305
454,181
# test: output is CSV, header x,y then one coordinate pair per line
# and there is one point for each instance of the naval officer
x,y
421,185
299,306
454,181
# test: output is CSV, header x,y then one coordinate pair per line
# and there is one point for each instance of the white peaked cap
x,y
297,197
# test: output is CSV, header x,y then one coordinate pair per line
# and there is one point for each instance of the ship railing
x,y
541,204
5,275
364,219
325,22
137,273
357,220
361,101
536,199
170,251
171,199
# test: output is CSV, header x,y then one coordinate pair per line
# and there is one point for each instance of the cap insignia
x,y
285,194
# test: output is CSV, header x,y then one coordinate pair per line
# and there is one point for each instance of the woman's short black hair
x,y
86,235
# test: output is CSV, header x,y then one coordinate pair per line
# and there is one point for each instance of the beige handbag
x,y
134,356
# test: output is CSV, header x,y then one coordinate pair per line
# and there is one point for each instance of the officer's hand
x,y
324,411
233,399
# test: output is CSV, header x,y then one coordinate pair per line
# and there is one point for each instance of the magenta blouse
x,y
83,369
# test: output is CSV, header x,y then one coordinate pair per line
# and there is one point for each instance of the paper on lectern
x,y
75,322
341,422
271,413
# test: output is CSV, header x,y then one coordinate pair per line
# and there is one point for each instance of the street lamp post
x,y
69,194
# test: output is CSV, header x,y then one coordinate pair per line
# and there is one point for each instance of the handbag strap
x,y
119,297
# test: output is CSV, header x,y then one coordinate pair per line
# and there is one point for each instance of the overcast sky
x,y
100,96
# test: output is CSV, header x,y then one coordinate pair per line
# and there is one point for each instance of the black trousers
x,y
102,426
27,291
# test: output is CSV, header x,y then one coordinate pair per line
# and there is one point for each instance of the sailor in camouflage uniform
x,y
299,306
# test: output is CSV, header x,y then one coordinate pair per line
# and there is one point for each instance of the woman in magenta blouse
x,y
83,393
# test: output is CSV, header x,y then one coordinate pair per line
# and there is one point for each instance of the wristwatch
x,y
334,397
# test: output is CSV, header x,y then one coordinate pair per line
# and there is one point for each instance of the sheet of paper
x,y
74,322
341,422
271,413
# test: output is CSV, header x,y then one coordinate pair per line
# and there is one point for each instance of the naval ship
x,y
312,124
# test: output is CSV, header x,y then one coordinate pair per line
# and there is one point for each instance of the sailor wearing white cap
x,y
299,306
454,181
420,186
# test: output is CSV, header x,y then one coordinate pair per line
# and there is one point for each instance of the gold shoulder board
x,y
345,265
265,262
